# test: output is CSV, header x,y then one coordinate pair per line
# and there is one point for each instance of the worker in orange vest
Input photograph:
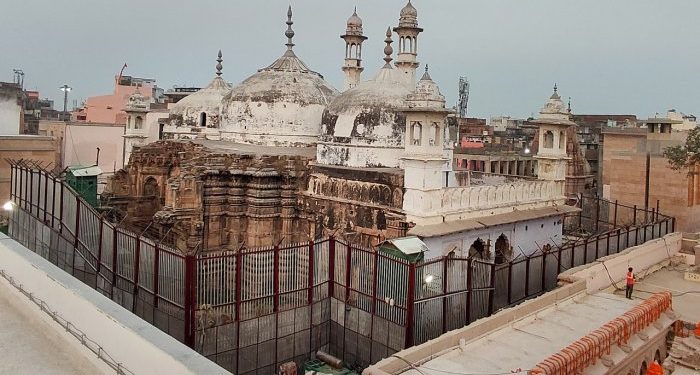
x,y
655,369
629,283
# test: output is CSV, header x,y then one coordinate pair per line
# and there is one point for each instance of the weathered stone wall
x,y
361,205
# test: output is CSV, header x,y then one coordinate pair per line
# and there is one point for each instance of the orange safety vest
x,y
630,278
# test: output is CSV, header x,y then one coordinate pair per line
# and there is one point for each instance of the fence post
x,y
310,296
60,209
46,194
492,288
137,261
31,191
634,216
331,267
410,301
76,233
673,224
544,269
348,267
98,264
607,246
53,203
156,273
615,215
559,259
470,290
585,251
115,259
510,282
276,278
444,294
527,276
597,214
238,295
12,186
190,284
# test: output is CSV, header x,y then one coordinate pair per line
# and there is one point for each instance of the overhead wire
x,y
419,367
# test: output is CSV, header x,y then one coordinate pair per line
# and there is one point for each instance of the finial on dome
x,y
388,50
426,75
354,11
568,106
289,33
555,88
218,65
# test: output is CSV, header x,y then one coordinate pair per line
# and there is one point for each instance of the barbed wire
x,y
86,341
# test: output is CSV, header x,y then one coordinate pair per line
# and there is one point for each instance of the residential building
x,y
636,172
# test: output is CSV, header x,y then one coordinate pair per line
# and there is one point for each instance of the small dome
x,y
354,25
426,94
408,16
409,10
208,99
354,20
137,102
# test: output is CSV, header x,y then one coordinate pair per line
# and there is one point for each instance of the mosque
x,y
284,157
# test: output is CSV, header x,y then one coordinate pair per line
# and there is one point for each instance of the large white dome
x,y
280,105
365,126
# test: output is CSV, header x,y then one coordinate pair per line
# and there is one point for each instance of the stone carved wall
x,y
362,206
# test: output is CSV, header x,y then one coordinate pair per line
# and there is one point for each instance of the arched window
x,y
548,139
478,249
416,133
138,122
150,187
203,119
562,141
436,134
503,252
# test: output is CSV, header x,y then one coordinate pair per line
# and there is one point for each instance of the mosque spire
x,y
289,33
218,65
388,50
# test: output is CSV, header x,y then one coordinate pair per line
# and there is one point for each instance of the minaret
x,y
424,160
353,51
553,122
135,133
408,31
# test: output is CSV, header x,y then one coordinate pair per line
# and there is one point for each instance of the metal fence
x,y
253,309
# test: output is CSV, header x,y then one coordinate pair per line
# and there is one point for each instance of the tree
x,y
686,155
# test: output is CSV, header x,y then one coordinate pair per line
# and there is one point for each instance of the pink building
x,y
109,109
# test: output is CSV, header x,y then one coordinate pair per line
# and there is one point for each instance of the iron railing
x,y
253,309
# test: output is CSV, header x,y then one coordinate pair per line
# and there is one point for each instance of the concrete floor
x,y
29,345
686,294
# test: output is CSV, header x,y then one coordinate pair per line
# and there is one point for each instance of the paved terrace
x,y
32,342
30,345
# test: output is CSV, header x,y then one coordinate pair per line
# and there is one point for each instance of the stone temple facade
x,y
285,157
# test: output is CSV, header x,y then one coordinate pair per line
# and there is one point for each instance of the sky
x,y
611,57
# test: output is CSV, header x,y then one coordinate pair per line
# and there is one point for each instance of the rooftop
x,y
527,342
29,345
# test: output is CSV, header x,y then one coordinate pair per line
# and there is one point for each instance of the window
x,y
203,119
416,133
436,134
478,249
562,141
548,139
138,123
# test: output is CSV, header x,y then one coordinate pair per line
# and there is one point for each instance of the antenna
x,y
463,96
